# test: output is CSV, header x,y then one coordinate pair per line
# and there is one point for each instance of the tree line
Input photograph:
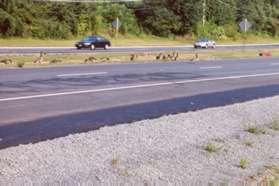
x,y
166,18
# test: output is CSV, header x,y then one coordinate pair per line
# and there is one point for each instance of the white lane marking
x,y
82,74
211,67
139,86
274,64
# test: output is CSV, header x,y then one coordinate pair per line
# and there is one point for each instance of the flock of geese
x,y
174,56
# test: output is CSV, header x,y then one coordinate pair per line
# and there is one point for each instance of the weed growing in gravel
x,y
114,161
243,163
211,148
254,130
275,124
248,142
124,173
262,131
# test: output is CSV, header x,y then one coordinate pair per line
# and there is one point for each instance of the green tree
x,y
163,22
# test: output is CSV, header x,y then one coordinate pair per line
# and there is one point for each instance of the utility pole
x,y
203,12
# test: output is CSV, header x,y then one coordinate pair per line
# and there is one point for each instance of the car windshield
x,y
203,40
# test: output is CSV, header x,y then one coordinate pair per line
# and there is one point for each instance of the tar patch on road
x,y
53,127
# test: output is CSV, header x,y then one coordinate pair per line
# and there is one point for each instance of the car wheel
x,y
106,47
78,48
92,47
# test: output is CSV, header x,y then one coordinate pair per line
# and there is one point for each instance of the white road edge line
x,y
82,74
212,67
139,86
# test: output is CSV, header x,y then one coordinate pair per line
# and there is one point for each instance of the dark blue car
x,y
93,42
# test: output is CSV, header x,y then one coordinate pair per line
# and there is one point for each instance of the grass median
x,y
131,40
118,58
127,40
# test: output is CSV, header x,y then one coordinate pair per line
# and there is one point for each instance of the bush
x,y
50,29
231,31
210,30
127,18
20,64
89,24
7,24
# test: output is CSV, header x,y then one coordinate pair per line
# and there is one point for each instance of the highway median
x,y
44,59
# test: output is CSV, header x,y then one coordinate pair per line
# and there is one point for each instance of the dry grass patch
x,y
274,171
128,40
274,124
115,161
124,173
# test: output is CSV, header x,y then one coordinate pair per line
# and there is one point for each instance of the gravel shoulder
x,y
166,150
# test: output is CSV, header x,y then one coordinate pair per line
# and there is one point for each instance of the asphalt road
x,y
45,103
65,50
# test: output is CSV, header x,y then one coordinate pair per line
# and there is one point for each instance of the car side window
x,y
89,39
99,39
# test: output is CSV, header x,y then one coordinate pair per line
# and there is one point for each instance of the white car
x,y
205,43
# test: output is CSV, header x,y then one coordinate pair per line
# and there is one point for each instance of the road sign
x,y
116,24
245,25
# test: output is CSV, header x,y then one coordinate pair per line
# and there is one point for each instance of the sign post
x,y
245,25
116,24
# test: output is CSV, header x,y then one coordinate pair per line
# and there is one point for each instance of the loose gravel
x,y
163,151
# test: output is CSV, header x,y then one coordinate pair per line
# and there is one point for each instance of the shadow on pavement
x,y
60,126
